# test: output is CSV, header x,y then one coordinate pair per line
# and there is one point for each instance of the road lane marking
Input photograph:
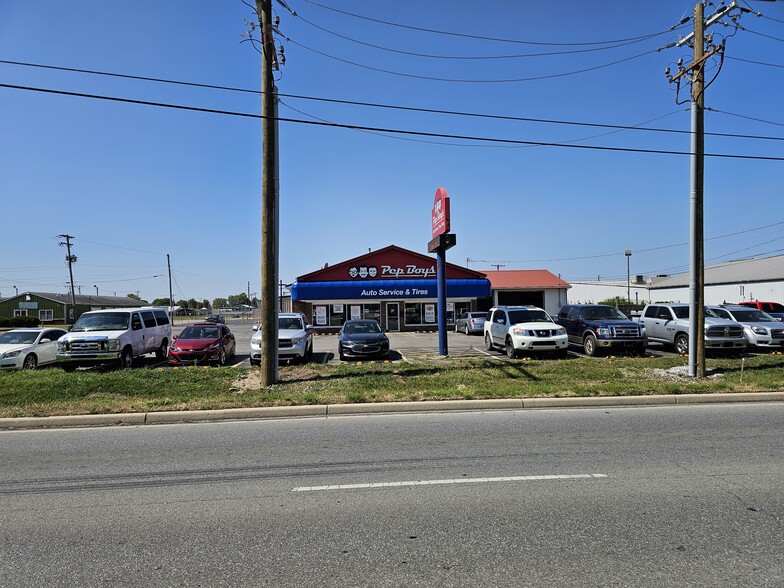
x,y
447,481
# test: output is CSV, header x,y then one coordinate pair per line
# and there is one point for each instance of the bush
x,y
19,321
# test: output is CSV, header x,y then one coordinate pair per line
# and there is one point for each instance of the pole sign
x,y
440,213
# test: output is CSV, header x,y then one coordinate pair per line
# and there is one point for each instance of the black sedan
x,y
362,338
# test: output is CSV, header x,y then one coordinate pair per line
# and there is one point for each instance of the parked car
x,y
470,322
596,327
116,336
362,338
669,324
202,343
774,309
518,329
29,348
295,339
761,329
215,318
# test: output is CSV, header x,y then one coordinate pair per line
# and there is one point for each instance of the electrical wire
x,y
484,38
468,81
464,57
780,39
762,120
382,106
381,129
754,62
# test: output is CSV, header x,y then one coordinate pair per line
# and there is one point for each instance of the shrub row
x,y
19,321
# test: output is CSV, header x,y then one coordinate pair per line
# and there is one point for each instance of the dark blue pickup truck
x,y
596,327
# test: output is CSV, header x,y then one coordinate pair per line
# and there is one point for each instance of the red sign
x,y
440,213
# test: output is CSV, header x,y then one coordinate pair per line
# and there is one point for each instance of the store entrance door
x,y
393,316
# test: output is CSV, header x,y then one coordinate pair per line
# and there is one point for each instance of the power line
x,y
754,62
387,106
469,81
484,38
465,57
762,120
382,129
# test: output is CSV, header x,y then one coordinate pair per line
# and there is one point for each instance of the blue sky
x,y
133,183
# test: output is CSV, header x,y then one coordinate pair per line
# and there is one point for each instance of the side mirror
x,y
174,337
308,327
44,341
255,327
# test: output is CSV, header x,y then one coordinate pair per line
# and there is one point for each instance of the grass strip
x,y
49,392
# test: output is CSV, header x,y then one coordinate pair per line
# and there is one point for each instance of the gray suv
x,y
669,324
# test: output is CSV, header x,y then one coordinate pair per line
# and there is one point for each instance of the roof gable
x,y
524,279
389,263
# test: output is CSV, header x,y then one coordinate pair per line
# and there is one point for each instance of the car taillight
x,y
472,321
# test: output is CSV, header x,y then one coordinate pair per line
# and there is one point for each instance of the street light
x,y
628,287
17,290
96,289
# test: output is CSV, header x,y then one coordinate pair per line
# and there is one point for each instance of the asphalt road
x,y
675,496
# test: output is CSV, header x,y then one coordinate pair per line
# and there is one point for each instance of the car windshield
x,y
286,322
528,316
752,316
18,338
355,328
199,333
610,313
478,315
105,321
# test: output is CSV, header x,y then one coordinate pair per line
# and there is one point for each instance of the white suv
x,y
524,328
295,339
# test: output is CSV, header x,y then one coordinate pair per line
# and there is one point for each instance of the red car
x,y
204,344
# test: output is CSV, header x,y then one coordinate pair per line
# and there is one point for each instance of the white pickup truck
x,y
668,323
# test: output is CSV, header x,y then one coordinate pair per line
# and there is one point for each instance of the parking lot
x,y
404,347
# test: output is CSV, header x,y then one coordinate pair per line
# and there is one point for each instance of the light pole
x,y
628,287
96,289
17,291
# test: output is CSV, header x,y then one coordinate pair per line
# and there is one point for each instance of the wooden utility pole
x,y
71,259
697,272
268,324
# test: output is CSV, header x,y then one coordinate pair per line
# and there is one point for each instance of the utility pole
x,y
269,237
71,259
628,254
498,266
171,300
697,164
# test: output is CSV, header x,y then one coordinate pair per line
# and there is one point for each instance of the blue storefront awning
x,y
380,289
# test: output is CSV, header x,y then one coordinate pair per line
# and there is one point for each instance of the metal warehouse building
x,y
57,308
733,281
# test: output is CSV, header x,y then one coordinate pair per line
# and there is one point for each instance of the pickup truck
x,y
597,327
669,324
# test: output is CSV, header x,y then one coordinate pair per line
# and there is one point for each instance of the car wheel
x,y
466,329
342,357
255,362
30,362
67,367
511,352
163,350
681,344
126,359
457,329
589,345
489,342
222,358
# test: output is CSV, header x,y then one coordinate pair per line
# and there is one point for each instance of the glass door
x,y
393,316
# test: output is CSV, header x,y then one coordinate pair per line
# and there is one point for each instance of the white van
x,y
116,335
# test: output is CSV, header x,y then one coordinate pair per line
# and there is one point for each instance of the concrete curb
x,y
322,410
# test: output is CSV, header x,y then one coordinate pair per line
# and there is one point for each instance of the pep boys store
x,y
394,286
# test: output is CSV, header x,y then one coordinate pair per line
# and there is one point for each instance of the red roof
x,y
524,279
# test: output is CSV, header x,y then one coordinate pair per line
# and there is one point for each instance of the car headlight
x,y
214,346
10,354
174,348
560,331
760,330
521,332
603,331
297,340
113,345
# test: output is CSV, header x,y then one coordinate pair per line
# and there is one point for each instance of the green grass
x,y
51,391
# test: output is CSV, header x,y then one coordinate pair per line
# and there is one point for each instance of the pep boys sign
x,y
440,213
389,271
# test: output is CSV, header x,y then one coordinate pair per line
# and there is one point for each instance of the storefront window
x,y
372,311
413,314
337,315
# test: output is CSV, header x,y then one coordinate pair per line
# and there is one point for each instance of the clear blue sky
x,y
133,183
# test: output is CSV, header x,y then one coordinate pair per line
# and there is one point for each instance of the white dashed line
x,y
447,481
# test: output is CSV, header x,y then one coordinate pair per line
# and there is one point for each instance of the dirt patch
x,y
680,374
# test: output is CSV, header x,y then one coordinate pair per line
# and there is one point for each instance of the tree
x,y
193,304
220,303
238,299
134,296
161,302
183,304
205,303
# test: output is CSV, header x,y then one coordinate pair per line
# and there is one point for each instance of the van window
x,y
149,319
163,318
136,322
